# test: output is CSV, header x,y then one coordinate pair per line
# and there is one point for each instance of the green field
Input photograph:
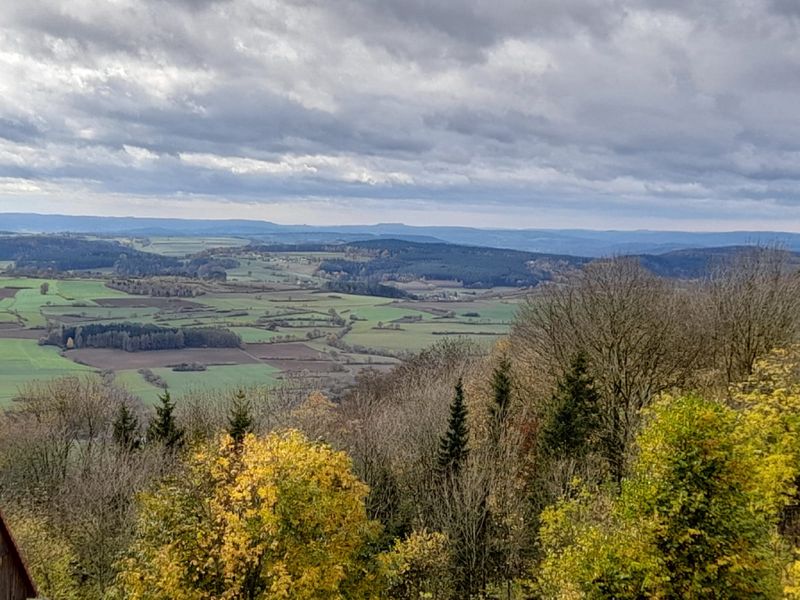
x,y
101,313
252,335
24,360
181,246
214,378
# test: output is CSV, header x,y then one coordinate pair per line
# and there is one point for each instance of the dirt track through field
x,y
286,351
15,332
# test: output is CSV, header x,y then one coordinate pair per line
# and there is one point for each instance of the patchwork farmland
x,y
276,302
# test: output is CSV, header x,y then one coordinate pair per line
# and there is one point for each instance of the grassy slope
x,y
24,360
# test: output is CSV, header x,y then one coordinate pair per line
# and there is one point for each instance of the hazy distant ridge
x,y
575,242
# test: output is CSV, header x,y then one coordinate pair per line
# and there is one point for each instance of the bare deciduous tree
x,y
752,305
59,460
635,330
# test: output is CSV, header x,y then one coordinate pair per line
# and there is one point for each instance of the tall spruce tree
x,y
163,427
240,419
501,391
453,445
574,415
126,428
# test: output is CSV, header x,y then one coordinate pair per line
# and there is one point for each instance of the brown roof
x,y
18,559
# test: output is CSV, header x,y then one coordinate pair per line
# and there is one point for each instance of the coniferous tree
x,y
453,445
240,420
501,390
126,428
574,415
163,427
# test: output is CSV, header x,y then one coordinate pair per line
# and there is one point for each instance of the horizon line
x,y
397,223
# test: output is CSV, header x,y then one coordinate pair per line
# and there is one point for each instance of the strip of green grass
x,y
253,335
416,336
215,377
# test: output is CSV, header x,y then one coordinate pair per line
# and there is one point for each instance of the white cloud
x,y
577,109
332,167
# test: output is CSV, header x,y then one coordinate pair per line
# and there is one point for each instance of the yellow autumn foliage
x,y
791,580
687,523
277,517
417,565
770,428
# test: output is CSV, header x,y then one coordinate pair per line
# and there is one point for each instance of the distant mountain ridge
x,y
573,242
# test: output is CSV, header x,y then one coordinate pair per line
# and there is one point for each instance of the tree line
x,y
366,287
160,288
136,337
153,265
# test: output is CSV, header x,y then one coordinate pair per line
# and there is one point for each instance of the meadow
x,y
182,246
214,378
23,360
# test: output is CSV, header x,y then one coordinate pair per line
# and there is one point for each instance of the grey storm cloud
x,y
675,108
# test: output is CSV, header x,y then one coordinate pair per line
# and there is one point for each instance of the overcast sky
x,y
520,113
